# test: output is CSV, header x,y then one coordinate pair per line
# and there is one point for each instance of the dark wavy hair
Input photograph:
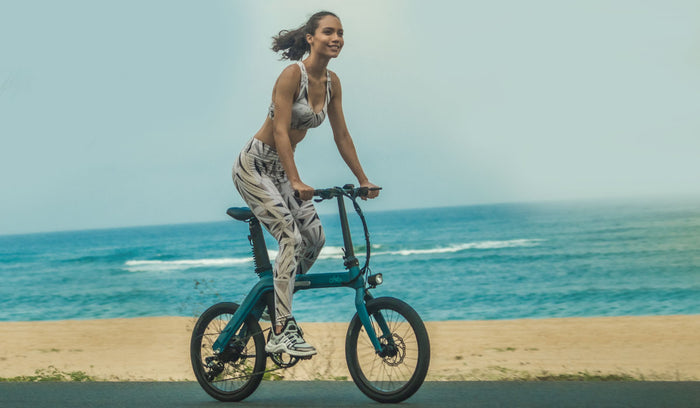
x,y
293,42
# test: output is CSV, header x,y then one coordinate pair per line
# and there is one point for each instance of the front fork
x,y
362,296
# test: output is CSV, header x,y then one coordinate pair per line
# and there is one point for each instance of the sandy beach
x,y
649,348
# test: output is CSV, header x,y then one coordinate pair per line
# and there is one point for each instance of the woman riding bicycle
x,y
266,175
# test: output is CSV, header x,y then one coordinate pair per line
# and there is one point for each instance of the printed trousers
x,y
260,179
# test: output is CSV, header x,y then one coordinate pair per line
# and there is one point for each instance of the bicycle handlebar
x,y
352,193
347,190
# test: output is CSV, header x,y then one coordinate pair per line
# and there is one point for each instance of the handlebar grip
x,y
363,191
316,193
327,193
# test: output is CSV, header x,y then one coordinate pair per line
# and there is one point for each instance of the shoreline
x,y
659,348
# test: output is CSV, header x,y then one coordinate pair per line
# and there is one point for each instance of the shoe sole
x,y
281,349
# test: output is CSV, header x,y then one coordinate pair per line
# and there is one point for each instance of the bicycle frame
x,y
354,278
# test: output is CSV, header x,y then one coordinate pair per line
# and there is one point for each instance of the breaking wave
x,y
330,252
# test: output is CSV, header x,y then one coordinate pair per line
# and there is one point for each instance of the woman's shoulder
x,y
290,76
335,80
291,70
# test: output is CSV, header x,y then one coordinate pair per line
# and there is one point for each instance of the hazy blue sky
x,y
116,113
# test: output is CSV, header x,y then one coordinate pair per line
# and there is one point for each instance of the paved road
x,y
344,394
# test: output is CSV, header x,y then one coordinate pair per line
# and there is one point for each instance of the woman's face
x,y
328,38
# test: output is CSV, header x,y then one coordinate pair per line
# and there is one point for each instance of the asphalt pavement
x,y
345,394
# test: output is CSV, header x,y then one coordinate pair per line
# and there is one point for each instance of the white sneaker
x,y
289,341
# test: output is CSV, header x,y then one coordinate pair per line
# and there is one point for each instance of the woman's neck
x,y
316,66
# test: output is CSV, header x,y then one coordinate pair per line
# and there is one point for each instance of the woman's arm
x,y
283,99
341,135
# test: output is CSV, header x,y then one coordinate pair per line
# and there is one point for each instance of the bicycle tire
x,y
397,376
236,372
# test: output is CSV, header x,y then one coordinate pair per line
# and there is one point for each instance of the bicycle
x,y
387,348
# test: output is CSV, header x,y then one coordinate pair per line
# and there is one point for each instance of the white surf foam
x,y
162,266
329,252
462,247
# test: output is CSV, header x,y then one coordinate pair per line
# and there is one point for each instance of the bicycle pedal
x,y
305,357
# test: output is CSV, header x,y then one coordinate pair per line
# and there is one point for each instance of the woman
x,y
266,175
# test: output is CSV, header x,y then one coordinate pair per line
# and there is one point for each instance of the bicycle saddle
x,y
240,213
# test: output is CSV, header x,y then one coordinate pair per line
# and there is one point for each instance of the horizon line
x,y
677,198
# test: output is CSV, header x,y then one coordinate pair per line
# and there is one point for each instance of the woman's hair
x,y
293,42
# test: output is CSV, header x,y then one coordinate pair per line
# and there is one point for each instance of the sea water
x,y
502,261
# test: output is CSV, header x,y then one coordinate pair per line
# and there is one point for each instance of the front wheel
x,y
236,372
399,370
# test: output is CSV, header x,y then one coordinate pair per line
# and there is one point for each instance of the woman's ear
x,y
309,38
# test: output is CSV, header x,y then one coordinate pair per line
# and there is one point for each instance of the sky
x,y
124,113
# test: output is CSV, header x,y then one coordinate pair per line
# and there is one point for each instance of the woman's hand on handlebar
x,y
302,191
373,190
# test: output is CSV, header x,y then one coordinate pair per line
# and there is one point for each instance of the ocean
x,y
483,262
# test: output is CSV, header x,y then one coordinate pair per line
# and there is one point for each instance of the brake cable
x,y
352,195
365,268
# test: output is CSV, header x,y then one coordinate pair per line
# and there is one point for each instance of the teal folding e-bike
x,y
387,347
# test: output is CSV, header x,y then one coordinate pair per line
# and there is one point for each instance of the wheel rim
x,y
234,367
397,364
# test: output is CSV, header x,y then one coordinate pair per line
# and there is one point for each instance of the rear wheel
x,y
399,370
236,372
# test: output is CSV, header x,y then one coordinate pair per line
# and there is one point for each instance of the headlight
x,y
375,280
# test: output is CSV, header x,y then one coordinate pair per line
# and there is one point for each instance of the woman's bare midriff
x,y
265,134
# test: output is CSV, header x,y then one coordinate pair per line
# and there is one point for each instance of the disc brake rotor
x,y
395,352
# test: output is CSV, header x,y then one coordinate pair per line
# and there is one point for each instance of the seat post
x,y
256,239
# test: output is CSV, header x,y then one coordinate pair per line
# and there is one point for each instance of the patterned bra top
x,y
303,115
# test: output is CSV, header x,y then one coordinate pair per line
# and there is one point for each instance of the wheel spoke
x,y
237,370
396,373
